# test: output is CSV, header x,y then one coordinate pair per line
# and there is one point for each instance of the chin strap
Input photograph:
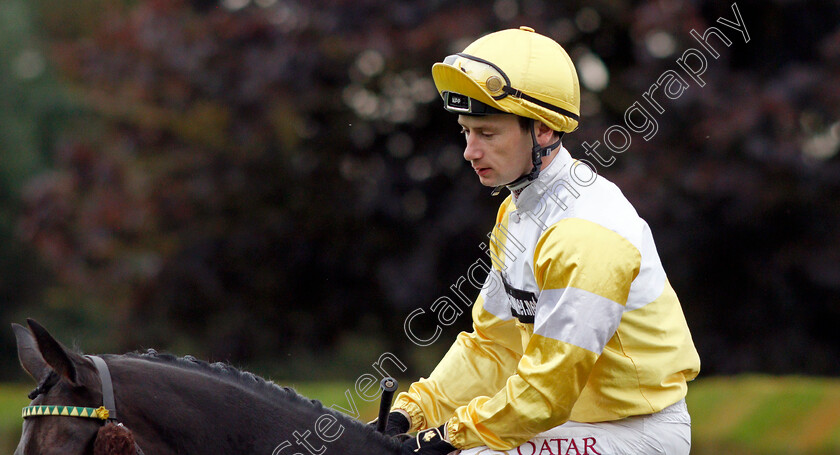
x,y
537,154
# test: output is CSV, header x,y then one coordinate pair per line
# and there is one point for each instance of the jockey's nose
x,y
472,151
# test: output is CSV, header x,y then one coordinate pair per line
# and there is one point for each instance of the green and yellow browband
x,y
67,411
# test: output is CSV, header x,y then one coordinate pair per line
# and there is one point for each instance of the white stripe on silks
x,y
646,288
495,299
498,305
650,282
577,317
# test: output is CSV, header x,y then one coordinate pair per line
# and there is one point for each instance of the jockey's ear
x,y
54,353
28,354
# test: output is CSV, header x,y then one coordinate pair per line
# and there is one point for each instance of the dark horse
x,y
170,405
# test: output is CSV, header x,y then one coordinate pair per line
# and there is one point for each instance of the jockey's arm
x,y
477,364
576,316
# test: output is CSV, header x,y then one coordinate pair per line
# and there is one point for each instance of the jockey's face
x,y
498,149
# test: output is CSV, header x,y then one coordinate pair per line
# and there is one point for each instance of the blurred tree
x,y
31,109
270,180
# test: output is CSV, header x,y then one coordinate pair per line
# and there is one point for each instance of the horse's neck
x,y
178,410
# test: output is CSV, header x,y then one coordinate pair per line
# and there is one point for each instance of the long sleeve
x,y
584,273
477,364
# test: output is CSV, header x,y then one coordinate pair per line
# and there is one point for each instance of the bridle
x,y
107,413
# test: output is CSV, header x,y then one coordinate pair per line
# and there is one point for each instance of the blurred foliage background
x,y
273,183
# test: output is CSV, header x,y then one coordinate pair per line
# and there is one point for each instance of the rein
x,y
107,412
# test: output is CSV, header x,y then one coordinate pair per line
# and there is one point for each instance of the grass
x,y
744,415
765,415
12,399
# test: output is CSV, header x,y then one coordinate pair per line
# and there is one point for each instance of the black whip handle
x,y
388,386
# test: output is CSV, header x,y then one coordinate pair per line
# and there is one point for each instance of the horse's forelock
x,y
44,385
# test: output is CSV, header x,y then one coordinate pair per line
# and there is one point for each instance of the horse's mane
x,y
249,380
222,370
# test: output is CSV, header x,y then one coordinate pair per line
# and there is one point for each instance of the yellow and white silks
x,y
577,321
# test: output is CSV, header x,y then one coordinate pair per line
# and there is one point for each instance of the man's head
x,y
516,72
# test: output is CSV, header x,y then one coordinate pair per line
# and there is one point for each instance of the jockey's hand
x,y
397,424
429,442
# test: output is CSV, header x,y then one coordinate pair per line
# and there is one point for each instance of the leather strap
x,y
107,387
108,394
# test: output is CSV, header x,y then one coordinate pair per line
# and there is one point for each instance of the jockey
x,y
579,343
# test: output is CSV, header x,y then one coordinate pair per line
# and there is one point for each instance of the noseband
x,y
107,412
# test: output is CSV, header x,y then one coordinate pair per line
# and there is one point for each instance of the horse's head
x,y
173,405
68,382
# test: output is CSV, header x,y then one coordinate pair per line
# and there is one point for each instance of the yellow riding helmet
x,y
516,71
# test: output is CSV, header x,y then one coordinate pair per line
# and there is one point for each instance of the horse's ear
x,y
55,355
28,354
